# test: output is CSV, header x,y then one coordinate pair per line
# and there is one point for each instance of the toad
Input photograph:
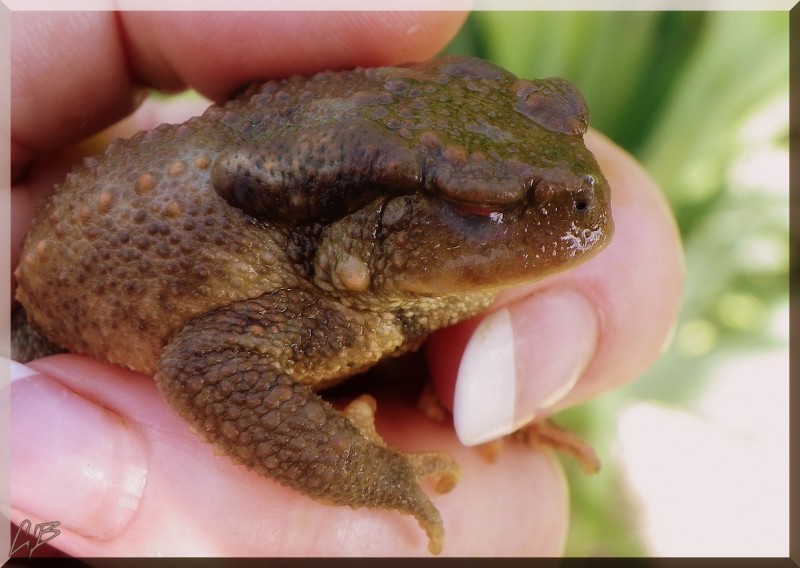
x,y
300,233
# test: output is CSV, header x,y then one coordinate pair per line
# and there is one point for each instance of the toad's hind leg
x,y
229,373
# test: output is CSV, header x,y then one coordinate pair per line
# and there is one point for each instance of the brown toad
x,y
300,233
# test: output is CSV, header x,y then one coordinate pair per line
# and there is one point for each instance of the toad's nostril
x,y
585,198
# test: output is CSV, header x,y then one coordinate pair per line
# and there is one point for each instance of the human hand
x,y
95,447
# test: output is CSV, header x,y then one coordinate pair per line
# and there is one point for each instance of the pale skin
x,y
181,498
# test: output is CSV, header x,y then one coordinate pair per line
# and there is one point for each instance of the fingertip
x,y
53,88
521,361
164,45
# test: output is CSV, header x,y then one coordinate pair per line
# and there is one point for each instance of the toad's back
x,y
137,242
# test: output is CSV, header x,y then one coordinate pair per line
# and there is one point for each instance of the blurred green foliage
x,y
701,100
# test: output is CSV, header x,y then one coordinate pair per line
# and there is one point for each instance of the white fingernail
x,y
483,408
502,385
20,371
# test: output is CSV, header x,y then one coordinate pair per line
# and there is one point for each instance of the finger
x,y
105,456
164,46
61,95
93,78
564,340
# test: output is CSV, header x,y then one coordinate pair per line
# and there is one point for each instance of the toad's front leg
x,y
238,375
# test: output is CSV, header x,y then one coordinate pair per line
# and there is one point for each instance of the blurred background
x,y
696,453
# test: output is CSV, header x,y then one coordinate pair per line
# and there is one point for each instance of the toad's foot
x,y
361,413
225,373
545,433
425,464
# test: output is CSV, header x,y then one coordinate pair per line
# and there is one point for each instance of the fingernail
x,y
20,371
72,460
520,361
486,386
